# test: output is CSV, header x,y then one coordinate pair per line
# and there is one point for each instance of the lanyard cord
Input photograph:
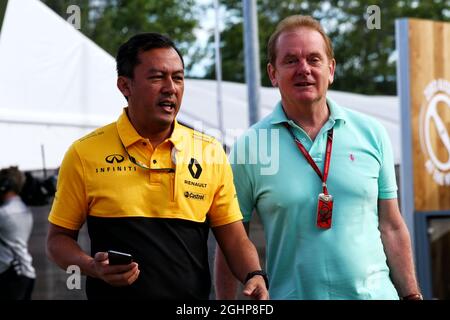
x,y
143,165
310,160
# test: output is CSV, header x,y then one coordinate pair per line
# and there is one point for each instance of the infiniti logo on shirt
x,y
117,158
114,160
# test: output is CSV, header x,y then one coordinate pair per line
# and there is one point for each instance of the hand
x,y
413,296
118,275
255,288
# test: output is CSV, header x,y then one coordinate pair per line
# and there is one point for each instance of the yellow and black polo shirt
x,y
162,217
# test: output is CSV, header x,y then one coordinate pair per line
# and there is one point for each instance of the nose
x,y
304,67
169,86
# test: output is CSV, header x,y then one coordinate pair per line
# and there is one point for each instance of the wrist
x,y
257,273
88,267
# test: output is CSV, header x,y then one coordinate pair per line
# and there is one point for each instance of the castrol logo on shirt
x,y
434,134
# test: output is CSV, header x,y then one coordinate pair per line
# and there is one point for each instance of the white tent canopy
x,y
57,85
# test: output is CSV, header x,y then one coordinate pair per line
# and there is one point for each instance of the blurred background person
x,y
17,274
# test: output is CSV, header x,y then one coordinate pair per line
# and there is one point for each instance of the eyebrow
x,y
316,53
313,53
290,54
154,70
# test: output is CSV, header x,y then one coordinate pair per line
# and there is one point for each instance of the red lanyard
x,y
311,161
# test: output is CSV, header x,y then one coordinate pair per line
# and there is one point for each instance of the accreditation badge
x,y
324,211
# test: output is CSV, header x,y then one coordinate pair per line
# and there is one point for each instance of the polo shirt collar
x,y
278,114
177,136
127,132
336,113
129,135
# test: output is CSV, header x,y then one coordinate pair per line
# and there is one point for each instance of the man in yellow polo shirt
x,y
151,188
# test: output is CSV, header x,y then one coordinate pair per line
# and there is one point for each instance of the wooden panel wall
x,y
430,61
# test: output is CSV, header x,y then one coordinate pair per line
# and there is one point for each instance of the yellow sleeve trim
x,y
64,223
226,220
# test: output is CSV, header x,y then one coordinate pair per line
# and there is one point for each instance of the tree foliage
x,y
365,57
109,23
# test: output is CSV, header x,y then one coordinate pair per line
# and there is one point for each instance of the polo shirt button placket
x,y
155,177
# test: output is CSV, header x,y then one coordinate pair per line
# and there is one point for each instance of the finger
x,y
130,273
262,294
123,278
249,288
120,268
100,256
256,290
134,277
258,294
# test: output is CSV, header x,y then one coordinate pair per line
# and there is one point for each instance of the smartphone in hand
x,y
117,257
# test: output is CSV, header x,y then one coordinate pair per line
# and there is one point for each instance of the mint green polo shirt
x,y
271,176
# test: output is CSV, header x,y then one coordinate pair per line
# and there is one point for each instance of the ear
x,y
123,83
271,72
332,67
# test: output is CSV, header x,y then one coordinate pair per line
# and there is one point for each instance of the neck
x,y
156,137
156,134
310,118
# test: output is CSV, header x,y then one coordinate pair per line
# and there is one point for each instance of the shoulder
x,y
359,117
194,136
365,129
14,206
261,130
92,143
364,123
98,134
264,123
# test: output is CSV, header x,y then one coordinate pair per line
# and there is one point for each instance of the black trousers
x,y
15,287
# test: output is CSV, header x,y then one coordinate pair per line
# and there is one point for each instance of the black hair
x,y
11,179
127,56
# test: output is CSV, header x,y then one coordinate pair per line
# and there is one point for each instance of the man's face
x,y
156,89
302,70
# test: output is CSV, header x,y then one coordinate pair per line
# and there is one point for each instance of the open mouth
x,y
304,84
168,106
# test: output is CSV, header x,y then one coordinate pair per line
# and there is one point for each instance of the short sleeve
x,y
69,209
387,184
242,180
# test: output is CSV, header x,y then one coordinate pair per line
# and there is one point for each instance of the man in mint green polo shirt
x,y
327,197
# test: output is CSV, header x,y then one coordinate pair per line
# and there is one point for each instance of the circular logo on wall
x,y
433,133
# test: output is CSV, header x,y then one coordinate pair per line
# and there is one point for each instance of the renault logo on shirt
x,y
194,168
117,158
